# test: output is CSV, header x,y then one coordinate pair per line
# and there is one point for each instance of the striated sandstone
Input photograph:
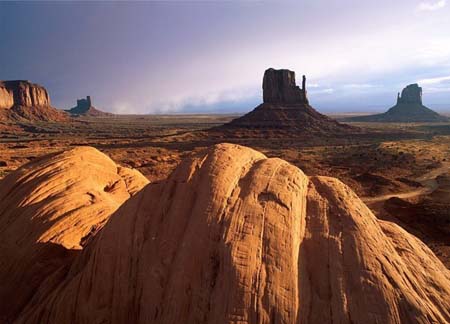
x,y
49,209
22,93
235,237
23,100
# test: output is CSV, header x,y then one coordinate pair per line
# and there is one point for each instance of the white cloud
x,y
360,86
437,89
434,80
323,91
431,6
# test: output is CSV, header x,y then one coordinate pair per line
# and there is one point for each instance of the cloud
x,y
431,6
322,91
434,80
360,86
202,100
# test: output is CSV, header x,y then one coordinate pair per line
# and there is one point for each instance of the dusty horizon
x,y
164,57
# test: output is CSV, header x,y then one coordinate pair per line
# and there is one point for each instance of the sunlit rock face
x,y
25,101
235,237
22,93
49,209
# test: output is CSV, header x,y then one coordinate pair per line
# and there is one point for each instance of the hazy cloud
x,y
431,6
147,57
434,80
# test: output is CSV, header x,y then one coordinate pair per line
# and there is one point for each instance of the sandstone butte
x,y
230,237
408,109
23,100
286,107
84,107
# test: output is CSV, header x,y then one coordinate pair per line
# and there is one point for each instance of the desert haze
x,y
152,171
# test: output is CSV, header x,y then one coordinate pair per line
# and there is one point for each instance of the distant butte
x,y
409,108
286,107
84,107
22,100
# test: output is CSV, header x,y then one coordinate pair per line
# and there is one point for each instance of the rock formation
x,y
230,237
49,209
279,87
25,100
409,108
22,93
286,107
412,94
84,107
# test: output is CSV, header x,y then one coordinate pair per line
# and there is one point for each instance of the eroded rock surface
x,y
25,100
235,237
279,87
49,209
22,93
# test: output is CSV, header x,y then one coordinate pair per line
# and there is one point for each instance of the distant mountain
x,y
286,107
409,108
84,108
21,100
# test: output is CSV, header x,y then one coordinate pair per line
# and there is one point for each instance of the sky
x,y
210,56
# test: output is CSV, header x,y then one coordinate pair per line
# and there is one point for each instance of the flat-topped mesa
x,y
279,87
412,94
22,93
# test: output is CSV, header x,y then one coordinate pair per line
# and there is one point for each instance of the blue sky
x,y
209,56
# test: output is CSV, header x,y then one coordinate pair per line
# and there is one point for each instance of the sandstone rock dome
x,y
409,108
286,107
49,209
23,100
235,237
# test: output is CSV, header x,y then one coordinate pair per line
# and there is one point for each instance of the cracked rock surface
x,y
235,237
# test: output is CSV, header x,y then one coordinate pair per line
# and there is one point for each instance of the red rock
x,y
235,237
24,100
